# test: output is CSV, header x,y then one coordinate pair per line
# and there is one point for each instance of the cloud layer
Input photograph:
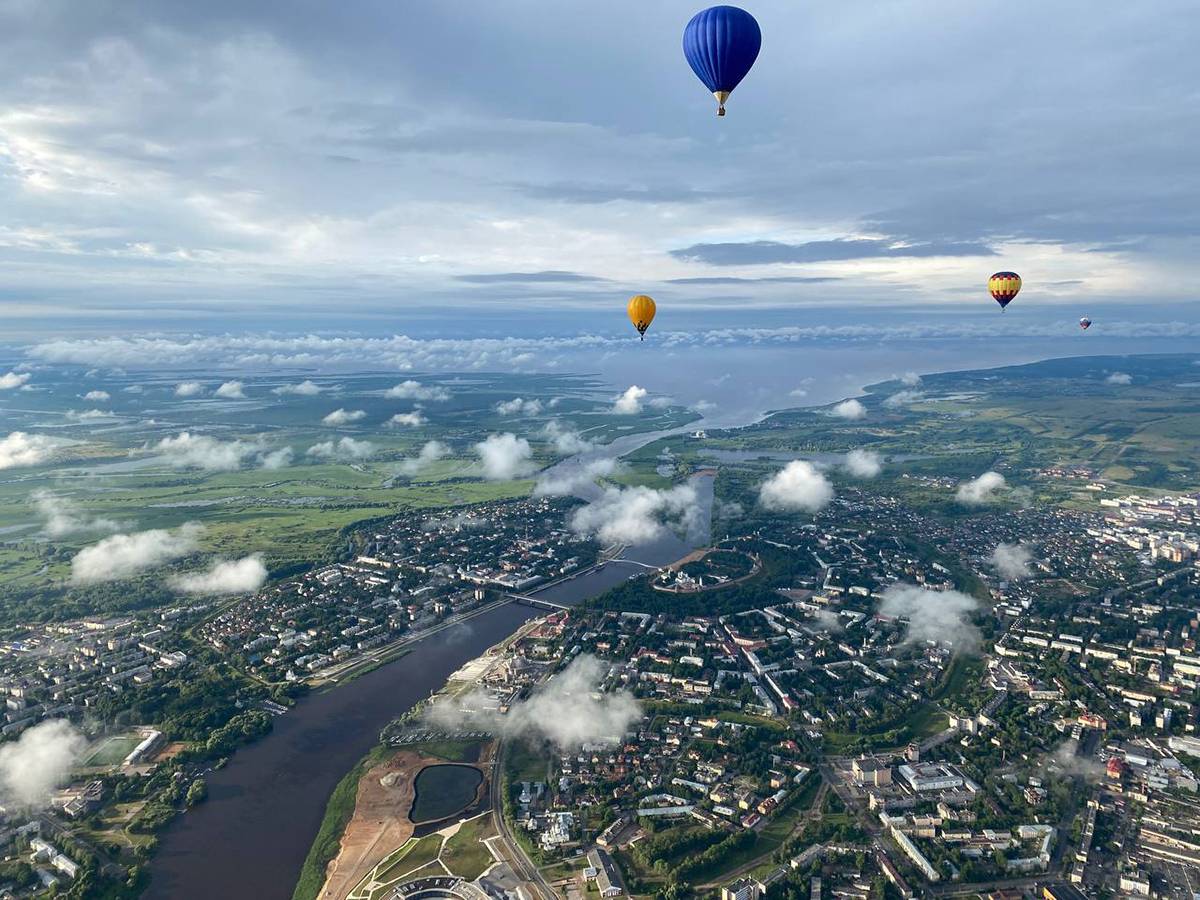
x,y
1012,561
638,515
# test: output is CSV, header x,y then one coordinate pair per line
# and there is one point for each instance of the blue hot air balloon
x,y
721,44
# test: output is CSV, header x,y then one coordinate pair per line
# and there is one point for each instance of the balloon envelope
x,y
1004,286
641,311
1085,323
721,43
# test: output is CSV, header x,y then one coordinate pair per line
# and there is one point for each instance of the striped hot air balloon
x,y
1004,287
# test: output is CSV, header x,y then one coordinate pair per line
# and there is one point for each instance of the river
x,y
250,838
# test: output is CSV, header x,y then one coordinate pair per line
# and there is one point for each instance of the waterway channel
x,y
250,838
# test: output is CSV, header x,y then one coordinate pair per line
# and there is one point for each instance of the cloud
x,y
849,409
504,457
38,762
547,277
569,710
638,515
305,388
565,439
347,449
199,451
344,416
414,390
1119,378
277,459
413,419
760,253
232,390
98,396
798,486
903,398
824,621
776,279
224,576
61,516
88,415
430,453
980,490
567,480
1011,561
519,407
939,617
22,449
910,379
12,380
189,389
630,402
125,555
863,463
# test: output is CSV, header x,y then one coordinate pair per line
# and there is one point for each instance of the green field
x,y
464,854
112,750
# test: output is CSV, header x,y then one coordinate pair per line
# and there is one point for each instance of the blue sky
x,y
291,165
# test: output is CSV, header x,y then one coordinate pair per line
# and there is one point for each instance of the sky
x,y
524,166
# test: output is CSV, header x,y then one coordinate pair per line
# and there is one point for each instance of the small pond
x,y
442,791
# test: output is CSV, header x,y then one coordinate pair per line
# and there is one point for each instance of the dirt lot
x,y
380,821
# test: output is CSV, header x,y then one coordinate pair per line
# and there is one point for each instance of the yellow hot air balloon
x,y
641,313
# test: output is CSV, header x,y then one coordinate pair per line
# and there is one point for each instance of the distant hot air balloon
x,y
1004,286
641,313
721,44
1085,323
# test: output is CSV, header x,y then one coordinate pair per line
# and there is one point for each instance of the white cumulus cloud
x,y
863,463
980,490
11,380
637,515
430,453
224,576
345,449
798,486
62,516
1119,378
518,406
305,388
413,419
940,617
849,409
903,398
571,480
414,390
232,390
630,402
38,762
569,710
22,449
200,451
504,457
189,389
344,416
125,555
566,440
1012,561
97,396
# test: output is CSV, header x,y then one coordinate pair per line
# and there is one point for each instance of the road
x,y
521,864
